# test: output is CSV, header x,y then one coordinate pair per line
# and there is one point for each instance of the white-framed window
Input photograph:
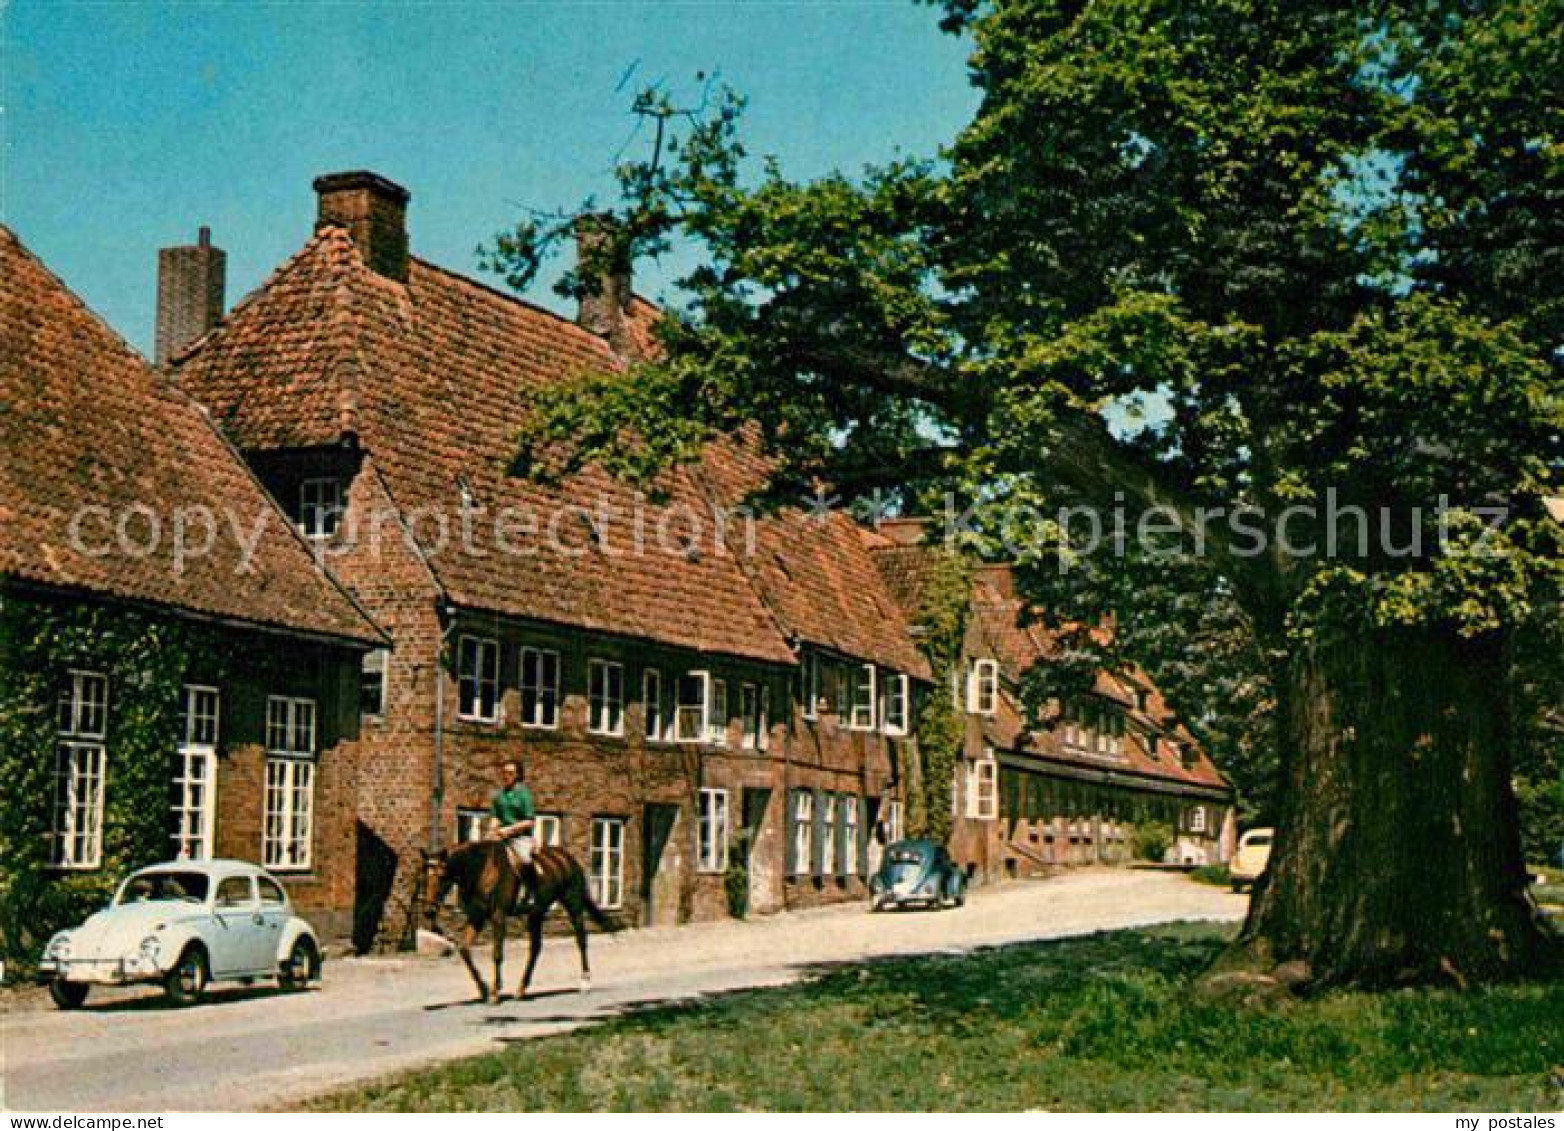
x,y
803,831
850,835
320,507
717,723
540,688
548,830
605,697
288,827
712,843
83,720
195,781
652,705
749,714
828,860
372,684
809,685
478,679
608,861
864,711
472,824
1197,819
983,789
896,704
692,709
983,687
893,822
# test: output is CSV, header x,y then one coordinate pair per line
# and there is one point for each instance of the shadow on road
x,y
154,1000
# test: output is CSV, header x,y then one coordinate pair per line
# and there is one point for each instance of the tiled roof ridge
x,y
111,335
512,299
261,289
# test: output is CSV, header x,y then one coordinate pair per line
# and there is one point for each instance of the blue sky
x,y
127,125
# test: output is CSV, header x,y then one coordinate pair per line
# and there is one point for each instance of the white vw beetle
x,y
185,924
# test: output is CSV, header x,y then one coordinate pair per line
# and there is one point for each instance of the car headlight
x,y
59,947
151,949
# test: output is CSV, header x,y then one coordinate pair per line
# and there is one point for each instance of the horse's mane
x,y
469,857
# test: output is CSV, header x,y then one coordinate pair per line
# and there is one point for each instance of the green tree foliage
x,y
1279,279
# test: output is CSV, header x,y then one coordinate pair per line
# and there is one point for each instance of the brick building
x,y
1032,796
692,690
101,458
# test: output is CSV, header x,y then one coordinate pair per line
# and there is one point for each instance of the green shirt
x,y
512,805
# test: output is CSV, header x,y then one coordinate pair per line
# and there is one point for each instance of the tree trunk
x,y
1397,858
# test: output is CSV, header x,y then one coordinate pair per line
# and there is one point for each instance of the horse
x,y
489,884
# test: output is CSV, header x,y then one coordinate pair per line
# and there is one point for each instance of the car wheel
x,y
186,982
68,995
300,967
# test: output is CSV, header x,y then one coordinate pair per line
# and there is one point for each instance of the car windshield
x,y
1258,840
152,887
905,856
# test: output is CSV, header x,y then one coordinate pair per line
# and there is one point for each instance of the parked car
x,y
917,872
185,924
1254,853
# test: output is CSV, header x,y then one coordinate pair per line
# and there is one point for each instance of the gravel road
x,y
246,1049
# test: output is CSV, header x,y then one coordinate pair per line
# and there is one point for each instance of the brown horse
x,y
488,888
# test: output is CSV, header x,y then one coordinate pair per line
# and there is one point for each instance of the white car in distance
x,y
185,924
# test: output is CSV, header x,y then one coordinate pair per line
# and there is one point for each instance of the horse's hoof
x,y
521,993
586,985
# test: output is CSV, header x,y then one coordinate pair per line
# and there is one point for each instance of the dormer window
x,y
320,507
983,687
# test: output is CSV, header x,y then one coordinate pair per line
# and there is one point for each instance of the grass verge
x,y
1100,1023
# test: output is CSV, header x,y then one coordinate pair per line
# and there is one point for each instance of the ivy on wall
x,y
942,614
146,660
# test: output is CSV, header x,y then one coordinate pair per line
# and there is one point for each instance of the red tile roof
x,y
84,421
817,573
435,377
1018,641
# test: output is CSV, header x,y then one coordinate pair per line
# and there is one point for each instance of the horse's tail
x,y
609,924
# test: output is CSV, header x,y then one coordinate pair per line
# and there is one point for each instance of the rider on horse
x,y
516,814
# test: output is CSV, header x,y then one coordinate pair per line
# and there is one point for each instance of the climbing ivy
x,y
942,615
146,660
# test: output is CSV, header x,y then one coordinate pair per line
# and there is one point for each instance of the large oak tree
x,y
1290,272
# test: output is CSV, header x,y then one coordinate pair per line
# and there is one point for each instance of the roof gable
x,y
87,423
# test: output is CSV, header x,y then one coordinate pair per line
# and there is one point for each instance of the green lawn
x,y
1105,1022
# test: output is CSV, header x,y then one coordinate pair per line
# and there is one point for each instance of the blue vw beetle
x,y
917,872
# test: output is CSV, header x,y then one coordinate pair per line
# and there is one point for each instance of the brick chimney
x,y
190,284
603,269
374,211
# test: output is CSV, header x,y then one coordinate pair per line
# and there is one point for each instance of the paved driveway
x,y
254,1048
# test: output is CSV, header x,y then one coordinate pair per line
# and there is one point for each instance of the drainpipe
x,y
437,794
